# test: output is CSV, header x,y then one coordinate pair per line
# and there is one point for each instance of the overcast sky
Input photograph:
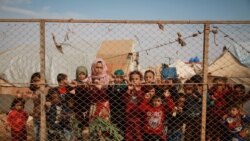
x,y
127,9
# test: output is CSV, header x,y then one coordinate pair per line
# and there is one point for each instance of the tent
x,y
118,54
227,65
184,71
19,63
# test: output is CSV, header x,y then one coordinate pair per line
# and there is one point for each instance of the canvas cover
x,y
229,66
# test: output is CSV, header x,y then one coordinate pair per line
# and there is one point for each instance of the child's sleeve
x,y
143,106
246,119
9,117
170,104
26,116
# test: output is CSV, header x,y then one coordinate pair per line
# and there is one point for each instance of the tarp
x,y
18,64
118,54
242,53
184,71
229,66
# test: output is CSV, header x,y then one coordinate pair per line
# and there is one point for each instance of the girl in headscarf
x,y
82,100
81,74
99,80
99,72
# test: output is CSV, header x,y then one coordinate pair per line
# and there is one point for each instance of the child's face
x,y
19,106
156,102
149,77
55,98
82,76
188,89
135,79
65,81
234,111
181,102
118,79
99,68
151,92
70,103
36,82
238,92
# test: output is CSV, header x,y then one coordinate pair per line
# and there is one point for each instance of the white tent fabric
x,y
184,71
18,64
229,66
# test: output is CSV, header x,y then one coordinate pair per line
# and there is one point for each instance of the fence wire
x,y
143,81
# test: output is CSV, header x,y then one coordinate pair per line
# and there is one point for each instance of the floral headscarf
x,y
103,77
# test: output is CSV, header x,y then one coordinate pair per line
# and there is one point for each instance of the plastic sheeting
x,y
18,64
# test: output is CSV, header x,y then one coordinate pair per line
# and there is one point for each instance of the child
x,y
81,75
35,84
132,99
217,93
192,111
70,124
116,92
176,121
65,87
149,91
53,115
154,116
82,98
149,77
16,119
235,122
99,81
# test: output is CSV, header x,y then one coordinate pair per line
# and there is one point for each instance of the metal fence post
x,y
205,80
42,71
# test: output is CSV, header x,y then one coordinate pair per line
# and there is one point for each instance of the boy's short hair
x,y
33,76
135,72
242,87
52,91
155,97
147,88
61,76
69,97
196,78
149,71
237,106
219,78
17,100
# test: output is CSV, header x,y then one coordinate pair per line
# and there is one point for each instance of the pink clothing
x,y
103,77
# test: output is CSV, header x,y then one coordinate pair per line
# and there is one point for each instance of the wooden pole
x,y
205,81
42,71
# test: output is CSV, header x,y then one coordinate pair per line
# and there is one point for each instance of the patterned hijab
x,y
103,77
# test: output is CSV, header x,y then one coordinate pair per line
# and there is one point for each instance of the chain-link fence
x,y
124,80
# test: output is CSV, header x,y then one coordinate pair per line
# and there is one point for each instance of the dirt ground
x,y
5,136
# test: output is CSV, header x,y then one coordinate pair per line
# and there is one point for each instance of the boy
x,y
53,115
154,116
235,122
115,98
65,87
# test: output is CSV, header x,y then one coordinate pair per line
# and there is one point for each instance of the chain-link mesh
x,y
124,81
